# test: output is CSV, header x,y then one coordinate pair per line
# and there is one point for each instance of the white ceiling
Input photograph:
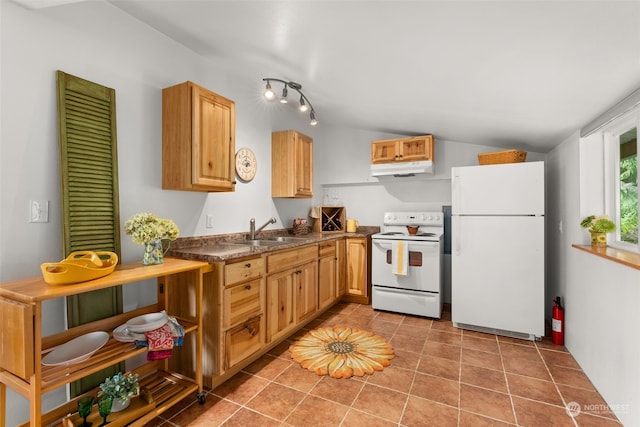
x,y
514,74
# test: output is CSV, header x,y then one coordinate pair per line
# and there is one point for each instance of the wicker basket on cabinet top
x,y
499,157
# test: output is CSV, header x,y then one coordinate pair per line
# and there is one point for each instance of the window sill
x,y
627,258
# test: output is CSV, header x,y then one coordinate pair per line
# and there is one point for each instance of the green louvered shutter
x,y
89,189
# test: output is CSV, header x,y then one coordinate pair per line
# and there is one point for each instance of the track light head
x,y
268,92
304,106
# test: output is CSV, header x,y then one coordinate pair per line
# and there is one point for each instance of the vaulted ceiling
x,y
516,74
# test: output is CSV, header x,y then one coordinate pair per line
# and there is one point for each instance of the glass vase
x,y
154,252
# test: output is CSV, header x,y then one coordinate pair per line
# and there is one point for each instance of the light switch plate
x,y
38,211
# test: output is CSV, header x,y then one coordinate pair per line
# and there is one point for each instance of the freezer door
x,y
509,189
498,273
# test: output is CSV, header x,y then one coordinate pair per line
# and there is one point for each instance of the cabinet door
x,y
280,303
291,164
357,277
213,140
326,281
341,268
304,166
415,149
384,151
198,139
306,278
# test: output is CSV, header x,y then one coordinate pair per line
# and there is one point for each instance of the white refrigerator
x,y
497,249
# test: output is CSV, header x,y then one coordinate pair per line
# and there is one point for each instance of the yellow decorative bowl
x,y
79,266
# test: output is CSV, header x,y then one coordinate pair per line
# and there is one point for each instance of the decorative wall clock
x,y
246,164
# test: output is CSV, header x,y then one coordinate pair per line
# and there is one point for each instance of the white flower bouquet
x,y
147,227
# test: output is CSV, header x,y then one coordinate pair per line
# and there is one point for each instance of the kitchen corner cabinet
x,y
291,164
198,139
402,150
358,270
180,291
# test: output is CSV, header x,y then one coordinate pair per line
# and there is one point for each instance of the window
x,y
621,139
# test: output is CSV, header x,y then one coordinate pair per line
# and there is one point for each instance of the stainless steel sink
x,y
268,241
257,242
285,239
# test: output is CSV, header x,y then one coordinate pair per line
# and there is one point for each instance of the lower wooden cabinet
x,y
306,282
341,268
358,270
327,274
280,304
243,340
234,316
253,304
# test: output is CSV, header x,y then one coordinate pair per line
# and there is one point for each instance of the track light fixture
x,y
305,105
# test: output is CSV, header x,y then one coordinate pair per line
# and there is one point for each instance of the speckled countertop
x,y
218,247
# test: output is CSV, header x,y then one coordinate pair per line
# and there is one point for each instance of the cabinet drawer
x,y
327,249
243,270
241,302
288,259
242,341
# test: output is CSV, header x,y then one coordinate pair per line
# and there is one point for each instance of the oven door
x,y
423,272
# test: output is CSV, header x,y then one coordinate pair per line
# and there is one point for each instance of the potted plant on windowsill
x,y
120,388
598,226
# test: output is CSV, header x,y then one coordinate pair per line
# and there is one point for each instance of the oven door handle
x,y
413,245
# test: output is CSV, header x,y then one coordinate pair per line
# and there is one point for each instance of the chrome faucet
x,y
252,227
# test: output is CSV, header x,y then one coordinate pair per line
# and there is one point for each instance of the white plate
x,y
147,322
76,350
123,334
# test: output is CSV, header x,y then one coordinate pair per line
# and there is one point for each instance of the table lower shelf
x,y
165,389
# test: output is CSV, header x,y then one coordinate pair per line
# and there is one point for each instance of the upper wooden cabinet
x,y
291,164
198,139
402,150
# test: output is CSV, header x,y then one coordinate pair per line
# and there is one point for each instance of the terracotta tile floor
x,y
441,376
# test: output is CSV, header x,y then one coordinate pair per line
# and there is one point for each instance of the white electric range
x,y
406,269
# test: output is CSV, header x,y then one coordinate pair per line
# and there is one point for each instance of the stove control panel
x,y
414,218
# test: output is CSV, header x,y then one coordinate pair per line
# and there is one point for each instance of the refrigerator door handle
x,y
456,218
455,183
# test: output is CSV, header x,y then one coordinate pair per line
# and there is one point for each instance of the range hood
x,y
402,168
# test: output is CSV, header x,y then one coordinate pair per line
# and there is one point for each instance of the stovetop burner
x,y
395,226
399,233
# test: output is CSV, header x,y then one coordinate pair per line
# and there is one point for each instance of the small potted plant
x,y
598,226
149,230
120,388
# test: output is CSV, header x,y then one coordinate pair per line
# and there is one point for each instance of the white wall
x,y
97,41
601,297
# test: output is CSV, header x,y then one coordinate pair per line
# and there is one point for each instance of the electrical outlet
x,y
38,211
209,223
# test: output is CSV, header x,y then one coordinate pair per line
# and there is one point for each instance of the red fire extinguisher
x,y
557,323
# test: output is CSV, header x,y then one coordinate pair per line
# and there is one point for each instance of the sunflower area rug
x,y
341,352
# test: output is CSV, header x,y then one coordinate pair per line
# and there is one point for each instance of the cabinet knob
x,y
210,164
248,287
248,265
251,330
